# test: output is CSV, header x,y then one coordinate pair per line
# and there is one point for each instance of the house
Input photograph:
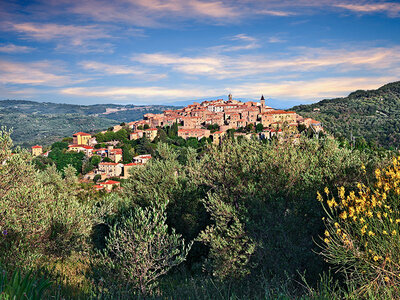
x,y
110,169
37,150
110,184
194,132
82,148
137,134
217,137
115,155
81,138
98,187
142,159
151,133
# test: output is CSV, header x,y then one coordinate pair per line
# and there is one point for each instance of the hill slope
x,y
44,123
373,114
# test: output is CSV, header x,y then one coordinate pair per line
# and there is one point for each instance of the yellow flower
x,y
338,231
394,232
319,197
343,215
364,229
362,220
326,190
376,258
370,233
384,232
326,240
337,224
387,279
326,233
369,214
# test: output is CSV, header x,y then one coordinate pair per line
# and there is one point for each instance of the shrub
x,y
362,232
140,249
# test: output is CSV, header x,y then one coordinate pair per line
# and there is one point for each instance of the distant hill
x,y
45,122
372,114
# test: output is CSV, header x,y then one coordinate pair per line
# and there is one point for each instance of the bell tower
x,y
262,101
230,97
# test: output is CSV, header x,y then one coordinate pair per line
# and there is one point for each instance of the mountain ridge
x,y
370,114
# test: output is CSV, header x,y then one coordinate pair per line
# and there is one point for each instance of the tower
x,y
262,101
230,97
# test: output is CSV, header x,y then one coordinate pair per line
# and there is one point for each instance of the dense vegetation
x,y
236,221
36,122
369,116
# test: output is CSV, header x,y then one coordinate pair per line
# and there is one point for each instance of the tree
x,y
141,248
146,126
95,160
259,127
59,145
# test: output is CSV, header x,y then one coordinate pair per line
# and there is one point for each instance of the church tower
x,y
262,101
230,97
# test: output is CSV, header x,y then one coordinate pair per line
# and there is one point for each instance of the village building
x,y
109,185
82,148
142,159
81,138
198,133
110,169
151,133
137,134
37,150
115,155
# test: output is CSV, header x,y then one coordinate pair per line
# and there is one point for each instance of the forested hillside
x,y
373,115
44,123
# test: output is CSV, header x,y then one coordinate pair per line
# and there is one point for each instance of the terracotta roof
x,y
110,182
134,164
108,164
36,147
80,133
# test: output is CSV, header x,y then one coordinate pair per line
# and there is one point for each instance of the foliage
x,y
39,214
18,286
362,235
140,248
373,115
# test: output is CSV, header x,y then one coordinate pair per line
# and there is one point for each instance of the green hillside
x,y
44,122
373,115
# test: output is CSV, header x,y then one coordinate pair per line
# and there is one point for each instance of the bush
x,y
140,249
362,232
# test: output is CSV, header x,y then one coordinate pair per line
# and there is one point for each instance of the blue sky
x,y
165,51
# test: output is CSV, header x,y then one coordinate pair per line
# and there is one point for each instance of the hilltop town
x,y
207,121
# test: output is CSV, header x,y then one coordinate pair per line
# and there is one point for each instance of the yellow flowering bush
x,y
362,231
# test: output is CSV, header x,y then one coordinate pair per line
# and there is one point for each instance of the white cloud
x,y
34,73
11,48
153,92
390,8
316,89
303,60
81,38
110,69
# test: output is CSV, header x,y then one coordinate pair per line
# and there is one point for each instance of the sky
x,y
166,51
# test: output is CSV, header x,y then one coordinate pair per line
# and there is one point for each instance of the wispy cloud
x,y
110,69
276,13
11,48
80,37
151,13
304,60
390,8
316,89
34,73
138,92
